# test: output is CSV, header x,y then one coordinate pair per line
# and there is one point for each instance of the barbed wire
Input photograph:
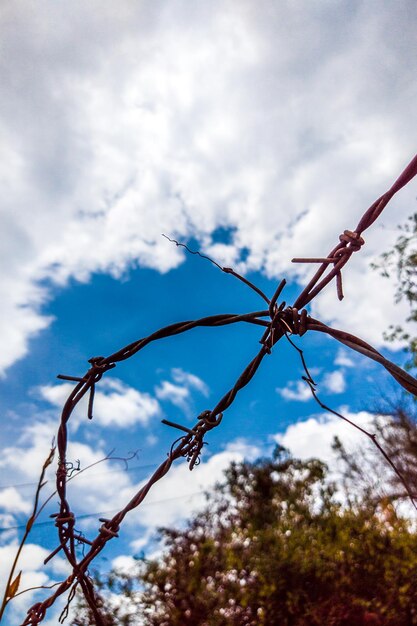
x,y
278,320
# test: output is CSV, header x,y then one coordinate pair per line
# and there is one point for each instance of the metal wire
x,y
277,321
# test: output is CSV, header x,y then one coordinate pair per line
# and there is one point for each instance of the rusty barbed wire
x,y
278,321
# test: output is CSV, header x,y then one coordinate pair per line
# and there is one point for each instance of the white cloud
x,y
7,521
334,382
115,403
178,121
26,323
343,359
313,437
296,390
176,394
34,445
179,392
12,501
191,380
226,255
125,564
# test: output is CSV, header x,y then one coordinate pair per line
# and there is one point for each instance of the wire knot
x,y
295,321
350,241
108,529
288,320
208,420
353,241
193,443
99,365
63,519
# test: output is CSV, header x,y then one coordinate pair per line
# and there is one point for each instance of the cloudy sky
x,y
254,132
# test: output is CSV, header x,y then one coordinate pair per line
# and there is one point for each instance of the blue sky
x,y
254,132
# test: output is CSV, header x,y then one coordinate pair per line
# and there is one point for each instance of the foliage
x,y
402,262
275,546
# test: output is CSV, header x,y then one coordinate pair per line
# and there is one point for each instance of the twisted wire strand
x,y
280,321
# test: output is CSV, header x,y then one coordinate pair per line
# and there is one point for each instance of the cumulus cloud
x,y
176,394
124,564
179,391
7,521
12,501
313,437
33,444
296,390
153,127
191,380
334,382
115,403
343,359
